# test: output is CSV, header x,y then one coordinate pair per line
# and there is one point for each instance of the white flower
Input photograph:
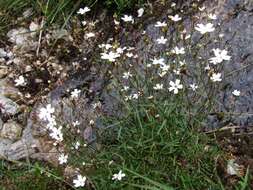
x,y
120,50
158,61
116,22
219,56
96,105
84,10
77,145
207,67
174,86
160,24
91,122
125,88
194,87
135,96
178,51
127,18
90,35
202,8
236,93
63,159
175,18
76,123
140,12
216,77
80,181
161,40
46,113
56,134
187,36
20,81
111,56
51,122
118,176
126,75
75,93
212,16
165,68
158,87
84,23
177,71
205,28
182,63
129,55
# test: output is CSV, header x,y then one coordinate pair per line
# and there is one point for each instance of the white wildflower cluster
x,y
83,11
112,53
46,114
178,50
175,18
160,24
128,18
133,96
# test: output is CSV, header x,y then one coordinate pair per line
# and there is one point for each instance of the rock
x,y
3,53
4,146
8,107
18,36
70,172
11,130
8,96
9,91
35,141
233,168
237,25
3,71
24,148
234,21
61,34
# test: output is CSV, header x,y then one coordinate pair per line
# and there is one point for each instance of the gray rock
x,y
8,90
3,71
11,130
8,107
3,53
4,146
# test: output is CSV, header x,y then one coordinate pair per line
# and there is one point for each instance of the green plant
x,y
57,11
22,176
157,152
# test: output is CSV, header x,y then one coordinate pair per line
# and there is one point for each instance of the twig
x,y
40,36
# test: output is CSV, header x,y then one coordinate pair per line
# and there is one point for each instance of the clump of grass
x,y
157,150
30,176
57,11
